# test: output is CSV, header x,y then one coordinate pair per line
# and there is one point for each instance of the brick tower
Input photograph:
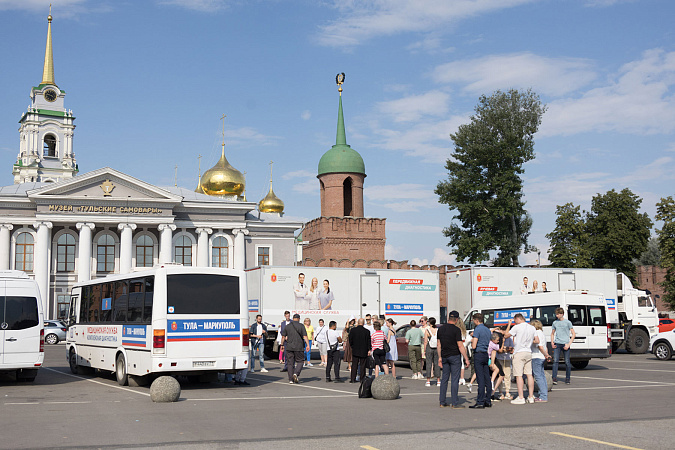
x,y
342,236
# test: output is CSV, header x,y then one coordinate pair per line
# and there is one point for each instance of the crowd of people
x,y
494,356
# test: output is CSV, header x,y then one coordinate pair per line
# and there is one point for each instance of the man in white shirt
x,y
524,335
333,338
301,290
524,289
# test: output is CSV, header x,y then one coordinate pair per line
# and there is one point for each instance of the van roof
x,y
540,299
13,275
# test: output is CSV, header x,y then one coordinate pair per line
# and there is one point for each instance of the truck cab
x,y
638,317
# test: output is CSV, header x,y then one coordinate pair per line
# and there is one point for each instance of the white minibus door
x,y
22,324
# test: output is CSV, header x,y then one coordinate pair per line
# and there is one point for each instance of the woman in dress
x,y
345,343
313,294
326,297
431,344
392,354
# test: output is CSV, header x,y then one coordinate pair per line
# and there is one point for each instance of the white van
x,y
587,312
21,325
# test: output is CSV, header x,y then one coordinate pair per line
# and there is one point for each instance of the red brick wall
x,y
333,239
332,200
649,277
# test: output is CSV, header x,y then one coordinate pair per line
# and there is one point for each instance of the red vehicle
x,y
666,324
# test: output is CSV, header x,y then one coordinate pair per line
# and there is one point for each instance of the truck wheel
x,y
638,341
580,364
662,351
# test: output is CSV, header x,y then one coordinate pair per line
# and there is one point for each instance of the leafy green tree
x,y
665,211
651,256
618,233
569,239
484,184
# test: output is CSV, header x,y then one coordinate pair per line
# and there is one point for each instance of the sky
x,y
149,80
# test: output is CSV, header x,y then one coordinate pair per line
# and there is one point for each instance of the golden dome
x,y
222,179
271,203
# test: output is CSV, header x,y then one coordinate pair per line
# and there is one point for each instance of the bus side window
x,y
72,316
149,292
84,303
106,302
135,311
95,303
120,301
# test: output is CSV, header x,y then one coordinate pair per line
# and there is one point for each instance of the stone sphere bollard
x,y
165,390
549,382
385,387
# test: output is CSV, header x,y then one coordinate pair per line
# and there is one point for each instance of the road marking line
x,y
616,379
642,370
305,386
66,403
36,403
594,440
262,398
97,382
616,387
368,447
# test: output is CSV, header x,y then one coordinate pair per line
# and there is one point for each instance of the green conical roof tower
x,y
341,158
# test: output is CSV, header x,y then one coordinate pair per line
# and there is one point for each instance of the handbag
x,y
370,362
385,345
331,347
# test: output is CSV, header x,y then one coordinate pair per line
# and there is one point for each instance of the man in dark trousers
x,y
359,341
450,352
479,344
282,349
295,341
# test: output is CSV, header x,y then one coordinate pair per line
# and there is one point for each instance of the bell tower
x,y
46,130
342,236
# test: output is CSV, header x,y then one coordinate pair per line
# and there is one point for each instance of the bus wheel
x,y
121,370
580,364
72,361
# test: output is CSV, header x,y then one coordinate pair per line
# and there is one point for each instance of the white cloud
x,y
552,76
197,5
306,115
307,187
359,21
418,196
299,174
249,136
414,107
441,257
391,252
62,9
429,45
639,99
428,141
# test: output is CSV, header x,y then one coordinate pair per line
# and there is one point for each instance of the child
x,y
496,343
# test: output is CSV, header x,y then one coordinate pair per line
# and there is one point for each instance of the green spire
x,y
341,138
341,158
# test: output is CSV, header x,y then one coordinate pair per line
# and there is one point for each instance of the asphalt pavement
x,y
626,401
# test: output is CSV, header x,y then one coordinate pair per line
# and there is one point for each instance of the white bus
x,y
174,320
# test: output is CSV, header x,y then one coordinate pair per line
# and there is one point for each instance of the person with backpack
x,y
293,337
431,344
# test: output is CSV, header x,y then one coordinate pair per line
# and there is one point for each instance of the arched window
x,y
347,196
219,252
145,248
23,256
105,252
184,250
49,146
65,253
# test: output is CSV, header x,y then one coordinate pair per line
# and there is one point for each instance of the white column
x,y
41,263
203,246
126,247
84,251
166,233
5,228
239,248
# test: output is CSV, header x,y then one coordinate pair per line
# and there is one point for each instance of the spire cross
x,y
175,176
340,79
271,164
223,119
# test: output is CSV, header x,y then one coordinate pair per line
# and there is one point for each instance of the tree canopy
x,y
569,239
617,232
484,184
665,211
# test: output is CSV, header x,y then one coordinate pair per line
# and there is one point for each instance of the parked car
x,y
55,331
662,345
666,324
401,344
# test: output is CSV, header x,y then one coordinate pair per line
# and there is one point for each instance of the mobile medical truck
x,y
402,294
632,317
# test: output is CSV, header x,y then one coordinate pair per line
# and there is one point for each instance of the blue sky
x,y
149,80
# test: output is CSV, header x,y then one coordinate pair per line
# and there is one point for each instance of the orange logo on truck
x,y
479,278
274,278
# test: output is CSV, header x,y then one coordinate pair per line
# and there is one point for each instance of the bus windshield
x,y
203,294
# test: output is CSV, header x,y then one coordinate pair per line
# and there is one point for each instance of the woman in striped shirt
x,y
377,344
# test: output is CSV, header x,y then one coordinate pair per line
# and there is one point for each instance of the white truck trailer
x,y
632,316
401,294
